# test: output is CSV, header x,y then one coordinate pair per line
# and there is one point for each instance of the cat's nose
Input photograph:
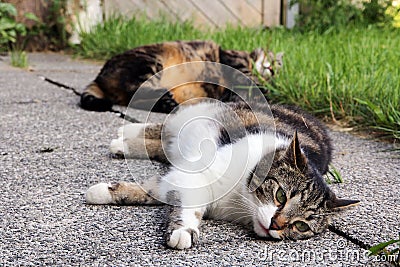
x,y
274,225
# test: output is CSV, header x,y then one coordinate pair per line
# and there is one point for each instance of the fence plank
x,y
204,13
272,14
243,11
150,8
255,4
184,10
215,11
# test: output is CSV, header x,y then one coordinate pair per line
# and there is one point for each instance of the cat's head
x,y
267,64
293,200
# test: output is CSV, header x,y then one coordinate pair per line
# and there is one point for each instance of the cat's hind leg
x,y
139,141
124,193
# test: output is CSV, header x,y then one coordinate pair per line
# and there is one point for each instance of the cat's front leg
x,y
183,225
123,193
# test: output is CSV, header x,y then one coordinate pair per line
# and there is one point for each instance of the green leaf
x,y
8,9
20,28
374,108
337,178
374,250
6,23
12,33
31,16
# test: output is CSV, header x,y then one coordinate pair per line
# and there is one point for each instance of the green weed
x,y
19,59
118,34
10,29
335,175
392,255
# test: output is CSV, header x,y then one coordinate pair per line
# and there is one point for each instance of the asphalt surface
x,y
51,151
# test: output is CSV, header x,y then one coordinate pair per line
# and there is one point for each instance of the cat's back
x,y
313,135
283,121
166,54
225,124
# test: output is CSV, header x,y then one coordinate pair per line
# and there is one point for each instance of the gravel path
x,y
51,151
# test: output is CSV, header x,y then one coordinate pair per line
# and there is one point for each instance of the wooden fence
x,y
204,13
213,13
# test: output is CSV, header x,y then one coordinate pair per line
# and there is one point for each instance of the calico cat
x,y
123,74
229,162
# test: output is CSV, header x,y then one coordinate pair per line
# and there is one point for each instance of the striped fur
x,y
287,199
122,75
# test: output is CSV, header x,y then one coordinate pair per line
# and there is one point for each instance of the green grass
x,y
333,176
118,35
19,59
350,76
390,255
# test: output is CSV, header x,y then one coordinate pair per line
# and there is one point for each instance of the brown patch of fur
x,y
125,193
153,131
280,221
94,90
155,150
187,93
198,215
171,55
153,144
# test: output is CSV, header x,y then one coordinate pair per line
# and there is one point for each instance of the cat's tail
x,y
93,99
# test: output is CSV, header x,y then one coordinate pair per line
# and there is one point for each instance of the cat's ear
x,y
255,182
293,154
337,204
279,60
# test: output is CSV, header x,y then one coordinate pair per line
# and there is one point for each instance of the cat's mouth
x,y
261,230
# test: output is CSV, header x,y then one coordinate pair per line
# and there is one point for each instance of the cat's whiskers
x,y
228,216
238,207
247,205
241,218
248,200
235,207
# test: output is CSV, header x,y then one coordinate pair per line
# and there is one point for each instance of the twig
x,y
348,237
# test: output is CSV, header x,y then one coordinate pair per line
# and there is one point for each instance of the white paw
x,y
131,130
118,147
183,238
99,194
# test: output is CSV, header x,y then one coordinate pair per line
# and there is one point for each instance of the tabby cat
x,y
123,74
230,162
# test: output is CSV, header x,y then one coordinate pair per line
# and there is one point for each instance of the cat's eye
x,y
302,226
280,196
